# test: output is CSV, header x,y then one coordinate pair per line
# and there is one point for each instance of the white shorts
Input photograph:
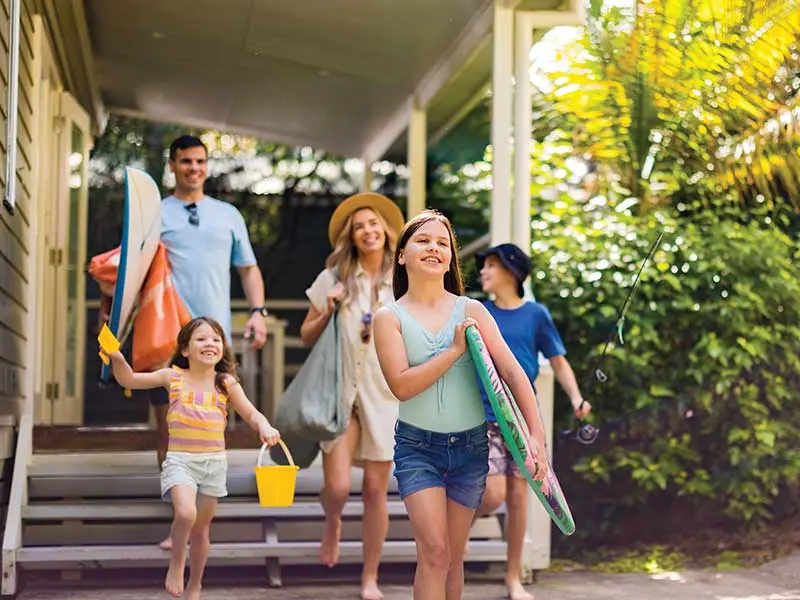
x,y
206,474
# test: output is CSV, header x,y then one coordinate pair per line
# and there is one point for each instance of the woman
x,y
358,280
441,446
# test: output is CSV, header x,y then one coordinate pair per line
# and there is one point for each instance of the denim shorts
x,y
457,462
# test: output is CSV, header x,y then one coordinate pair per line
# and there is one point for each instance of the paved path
x,y
779,580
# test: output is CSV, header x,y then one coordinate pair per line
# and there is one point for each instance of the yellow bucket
x,y
276,483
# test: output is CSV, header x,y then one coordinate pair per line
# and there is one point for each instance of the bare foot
x,y
329,548
370,591
517,592
166,544
174,581
193,592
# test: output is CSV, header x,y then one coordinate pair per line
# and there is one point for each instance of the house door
x,y
64,194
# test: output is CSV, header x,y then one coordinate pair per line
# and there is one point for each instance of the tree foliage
x,y
691,103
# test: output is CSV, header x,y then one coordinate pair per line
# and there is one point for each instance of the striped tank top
x,y
196,420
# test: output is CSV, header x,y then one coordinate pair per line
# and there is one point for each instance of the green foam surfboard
x,y
515,434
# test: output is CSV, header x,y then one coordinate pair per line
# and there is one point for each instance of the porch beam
x,y
574,16
460,53
417,150
392,129
502,73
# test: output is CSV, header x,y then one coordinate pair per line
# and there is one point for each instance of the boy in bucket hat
x,y
528,329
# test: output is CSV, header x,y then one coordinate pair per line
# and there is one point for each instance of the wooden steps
x,y
100,510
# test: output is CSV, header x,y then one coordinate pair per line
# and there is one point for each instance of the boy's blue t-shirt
x,y
527,330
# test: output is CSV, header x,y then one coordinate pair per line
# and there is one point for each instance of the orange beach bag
x,y
161,312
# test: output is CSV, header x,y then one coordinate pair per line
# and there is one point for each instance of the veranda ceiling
x,y
333,74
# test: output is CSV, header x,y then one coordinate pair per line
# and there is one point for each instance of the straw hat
x,y
380,204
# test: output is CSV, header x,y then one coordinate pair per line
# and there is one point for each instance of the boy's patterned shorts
x,y
500,460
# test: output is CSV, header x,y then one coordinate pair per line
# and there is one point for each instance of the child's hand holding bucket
x,y
268,434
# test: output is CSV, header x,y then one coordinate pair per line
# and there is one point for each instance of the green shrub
x,y
702,398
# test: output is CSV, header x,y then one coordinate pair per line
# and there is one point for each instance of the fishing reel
x,y
583,433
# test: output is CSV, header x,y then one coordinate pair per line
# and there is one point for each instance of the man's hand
x,y
256,330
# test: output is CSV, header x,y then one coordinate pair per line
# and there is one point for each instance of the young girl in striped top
x,y
202,388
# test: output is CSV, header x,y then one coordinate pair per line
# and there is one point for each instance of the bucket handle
x,y
285,451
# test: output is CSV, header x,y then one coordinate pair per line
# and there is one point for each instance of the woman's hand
x,y
460,335
334,295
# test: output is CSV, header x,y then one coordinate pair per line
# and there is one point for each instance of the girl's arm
x,y
509,369
257,421
406,382
128,379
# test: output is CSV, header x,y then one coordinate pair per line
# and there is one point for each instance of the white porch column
x,y
366,180
536,555
502,72
521,228
417,150
521,220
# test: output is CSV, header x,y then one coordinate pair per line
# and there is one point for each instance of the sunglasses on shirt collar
x,y
194,217
366,327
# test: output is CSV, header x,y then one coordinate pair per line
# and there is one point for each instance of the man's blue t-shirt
x,y
527,330
200,256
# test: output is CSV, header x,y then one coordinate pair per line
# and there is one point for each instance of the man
x,y
203,238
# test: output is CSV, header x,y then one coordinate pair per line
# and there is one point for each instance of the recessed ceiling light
x,y
157,35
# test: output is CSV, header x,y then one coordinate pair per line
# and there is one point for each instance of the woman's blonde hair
x,y
344,258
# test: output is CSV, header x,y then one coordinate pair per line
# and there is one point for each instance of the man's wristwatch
x,y
262,310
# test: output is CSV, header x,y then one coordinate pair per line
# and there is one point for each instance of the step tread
x,y
394,551
137,510
123,484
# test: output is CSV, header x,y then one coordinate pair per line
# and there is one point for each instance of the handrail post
x,y
18,499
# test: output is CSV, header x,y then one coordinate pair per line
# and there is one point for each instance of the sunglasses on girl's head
x,y
194,218
366,327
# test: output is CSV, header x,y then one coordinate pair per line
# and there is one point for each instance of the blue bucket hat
x,y
513,259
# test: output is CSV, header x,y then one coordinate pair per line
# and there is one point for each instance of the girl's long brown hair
x,y
225,368
453,282
344,257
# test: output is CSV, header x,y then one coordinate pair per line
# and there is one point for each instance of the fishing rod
x,y
587,433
